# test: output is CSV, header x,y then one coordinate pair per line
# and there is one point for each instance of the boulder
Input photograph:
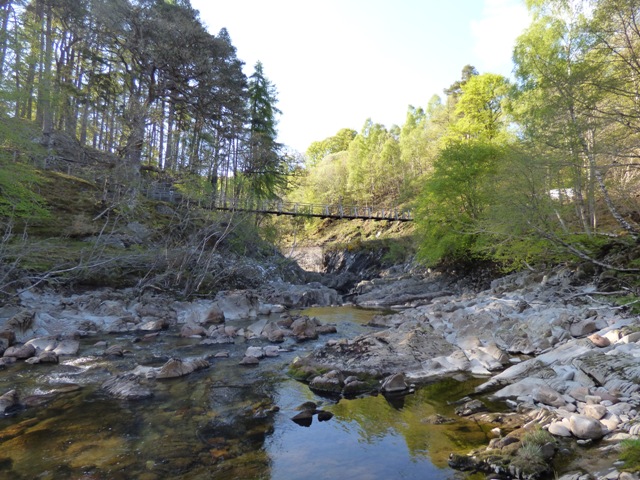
x,y
43,343
469,408
114,351
8,401
43,357
20,351
323,415
559,429
595,411
582,328
256,352
67,347
21,322
548,396
355,387
585,428
304,418
191,330
154,325
215,316
630,338
599,341
271,351
238,304
394,384
330,382
305,328
176,367
273,332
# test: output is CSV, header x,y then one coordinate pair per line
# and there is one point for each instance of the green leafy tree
x,y
337,143
454,201
480,108
571,102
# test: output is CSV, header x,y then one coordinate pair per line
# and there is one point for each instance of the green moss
x,y
19,199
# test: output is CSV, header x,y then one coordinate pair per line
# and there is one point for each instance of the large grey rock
x,y
582,328
238,304
595,411
20,351
256,352
273,332
394,384
47,343
215,316
299,296
305,328
548,396
176,367
586,428
524,387
191,330
330,382
411,348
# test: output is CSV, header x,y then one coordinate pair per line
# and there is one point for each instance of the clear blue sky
x,y
336,63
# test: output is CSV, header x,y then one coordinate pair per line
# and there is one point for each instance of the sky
x,y
337,63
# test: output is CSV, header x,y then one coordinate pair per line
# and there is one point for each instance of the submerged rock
x,y
127,386
470,408
176,367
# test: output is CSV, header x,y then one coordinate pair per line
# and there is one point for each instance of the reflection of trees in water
x,y
378,416
243,417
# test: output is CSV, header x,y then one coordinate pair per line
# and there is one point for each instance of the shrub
x,y
630,454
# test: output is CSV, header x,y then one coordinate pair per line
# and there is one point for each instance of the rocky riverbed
x,y
564,361
558,360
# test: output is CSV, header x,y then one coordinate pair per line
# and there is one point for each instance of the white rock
x,y
631,338
559,429
586,428
611,423
612,335
595,411
67,347
256,352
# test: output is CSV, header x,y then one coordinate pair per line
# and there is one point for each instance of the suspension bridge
x,y
315,210
294,209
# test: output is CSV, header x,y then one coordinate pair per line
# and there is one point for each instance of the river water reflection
x,y
225,422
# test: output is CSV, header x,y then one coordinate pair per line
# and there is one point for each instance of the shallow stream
x,y
224,422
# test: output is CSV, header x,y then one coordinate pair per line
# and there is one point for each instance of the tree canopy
x,y
144,80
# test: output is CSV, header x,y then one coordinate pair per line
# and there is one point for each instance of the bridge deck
x,y
277,207
311,210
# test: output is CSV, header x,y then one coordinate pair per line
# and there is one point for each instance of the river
x,y
224,422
